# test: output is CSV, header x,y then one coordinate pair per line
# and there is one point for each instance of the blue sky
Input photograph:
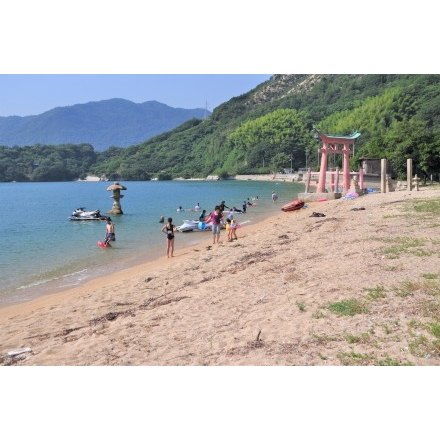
x,y
185,54
30,94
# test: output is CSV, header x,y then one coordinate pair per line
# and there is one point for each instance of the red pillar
x,y
323,170
346,169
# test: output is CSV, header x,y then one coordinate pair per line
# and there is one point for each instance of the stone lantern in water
x,y
116,188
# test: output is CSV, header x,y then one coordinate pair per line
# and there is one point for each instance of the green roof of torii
x,y
353,135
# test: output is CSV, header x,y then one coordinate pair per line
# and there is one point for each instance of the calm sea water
x,y
44,252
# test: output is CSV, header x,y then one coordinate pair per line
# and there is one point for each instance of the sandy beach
x,y
358,286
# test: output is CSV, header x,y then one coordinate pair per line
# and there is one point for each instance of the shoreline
x,y
260,300
56,281
98,277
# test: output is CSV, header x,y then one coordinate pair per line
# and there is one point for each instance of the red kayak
x,y
293,206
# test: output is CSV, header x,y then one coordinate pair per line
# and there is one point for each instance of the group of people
x,y
169,229
196,208
216,218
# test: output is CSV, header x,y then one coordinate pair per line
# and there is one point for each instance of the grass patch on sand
x,y
391,268
318,315
348,307
390,362
301,305
431,308
375,292
409,287
430,210
363,338
402,245
405,288
353,358
434,329
323,339
425,206
390,327
422,345
414,325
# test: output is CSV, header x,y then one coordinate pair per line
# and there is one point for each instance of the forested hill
x,y
269,128
113,122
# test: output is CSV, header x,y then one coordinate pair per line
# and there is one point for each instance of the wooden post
x,y
409,184
383,175
361,179
309,176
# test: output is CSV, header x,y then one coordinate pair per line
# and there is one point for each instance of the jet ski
x,y
194,225
81,214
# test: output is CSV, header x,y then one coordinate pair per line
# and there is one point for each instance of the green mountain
x,y
269,128
112,122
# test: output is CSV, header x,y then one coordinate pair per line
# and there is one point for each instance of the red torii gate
x,y
335,144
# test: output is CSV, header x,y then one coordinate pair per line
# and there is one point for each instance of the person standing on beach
x,y
228,229
109,232
216,220
231,227
169,229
